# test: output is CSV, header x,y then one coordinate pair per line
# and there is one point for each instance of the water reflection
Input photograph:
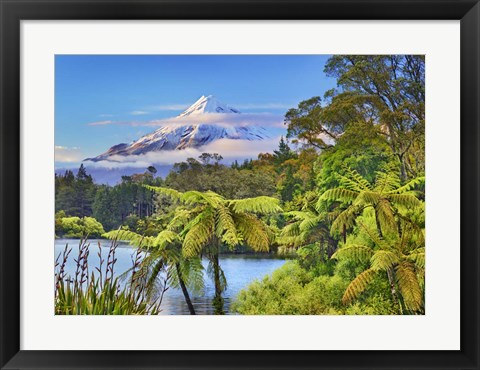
x,y
240,271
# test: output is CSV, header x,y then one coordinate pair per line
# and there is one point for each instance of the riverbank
x,y
240,270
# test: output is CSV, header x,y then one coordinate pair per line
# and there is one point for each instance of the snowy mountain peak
x,y
208,104
192,131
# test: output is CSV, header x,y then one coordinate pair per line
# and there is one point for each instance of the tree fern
x,y
384,196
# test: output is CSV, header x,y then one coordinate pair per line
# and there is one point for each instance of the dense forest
x,y
342,196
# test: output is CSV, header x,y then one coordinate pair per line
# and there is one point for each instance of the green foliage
x,y
237,182
388,90
385,196
101,294
398,258
76,227
292,290
74,194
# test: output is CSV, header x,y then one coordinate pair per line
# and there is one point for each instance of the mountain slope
x,y
191,135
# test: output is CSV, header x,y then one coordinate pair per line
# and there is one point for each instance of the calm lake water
x,y
240,271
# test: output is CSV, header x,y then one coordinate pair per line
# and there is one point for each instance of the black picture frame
x,y
13,11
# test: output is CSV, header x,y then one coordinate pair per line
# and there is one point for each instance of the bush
x,y
76,227
292,290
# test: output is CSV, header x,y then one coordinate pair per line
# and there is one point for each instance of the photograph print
x,y
239,185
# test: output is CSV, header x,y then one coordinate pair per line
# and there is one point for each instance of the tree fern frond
x,y
225,226
409,186
358,253
374,237
130,236
191,270
367,197
418,257
262,205
209,197
358,285
409,287
382,260
357,178
298,215
310,224
291,230
255,233
165,238
199,234
386,182
385,215
345,219
339,195
405,200
172,193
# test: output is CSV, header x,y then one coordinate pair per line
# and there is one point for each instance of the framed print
x,y
200,184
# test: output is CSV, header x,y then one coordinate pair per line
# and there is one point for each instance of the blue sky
x,y
133,90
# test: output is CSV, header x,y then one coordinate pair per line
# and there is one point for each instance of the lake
x,y
240,271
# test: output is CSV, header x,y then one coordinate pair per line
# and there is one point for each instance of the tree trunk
x,y
377,222
403,168
184,290
217,300
393,290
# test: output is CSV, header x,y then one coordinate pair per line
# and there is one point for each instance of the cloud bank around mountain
x,y
229,149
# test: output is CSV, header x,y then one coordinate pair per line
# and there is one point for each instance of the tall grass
x,y
101,292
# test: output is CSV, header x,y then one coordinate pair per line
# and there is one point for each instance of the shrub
x,y
76,227
292,290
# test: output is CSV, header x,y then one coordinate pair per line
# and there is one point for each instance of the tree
x,y
361,147
388,90
209,220
305,125
283,153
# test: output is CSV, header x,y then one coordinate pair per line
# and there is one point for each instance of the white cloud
x,y
139,112
105,115
229,149
100,123
67,154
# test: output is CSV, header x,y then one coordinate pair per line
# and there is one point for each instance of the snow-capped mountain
x,y
190,132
